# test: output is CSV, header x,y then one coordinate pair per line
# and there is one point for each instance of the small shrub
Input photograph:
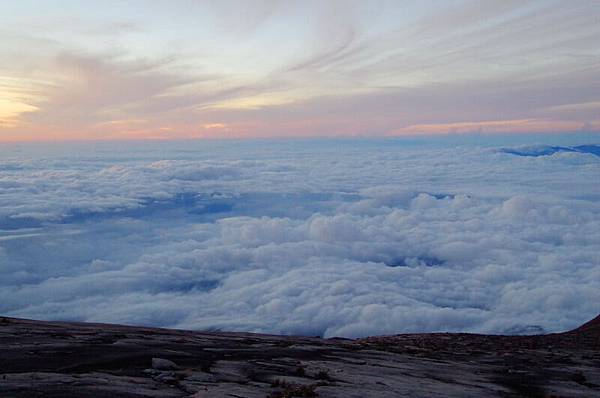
x,y
279,383
293,391
579,378
323,375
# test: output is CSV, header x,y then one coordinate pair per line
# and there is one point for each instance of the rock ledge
x,y
59,359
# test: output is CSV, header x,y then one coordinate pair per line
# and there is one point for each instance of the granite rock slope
x,y
59,359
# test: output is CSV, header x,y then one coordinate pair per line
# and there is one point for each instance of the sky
x,y
87,70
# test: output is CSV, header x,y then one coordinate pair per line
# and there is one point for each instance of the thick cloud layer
x,y
333,238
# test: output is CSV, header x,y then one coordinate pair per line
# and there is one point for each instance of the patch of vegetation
x,y
205,367
579,378
522,384
289,390
279,383
323,375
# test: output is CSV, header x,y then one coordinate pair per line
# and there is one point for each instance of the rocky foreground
x,y
56,359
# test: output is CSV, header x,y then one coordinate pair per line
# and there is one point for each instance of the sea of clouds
x,y
313,237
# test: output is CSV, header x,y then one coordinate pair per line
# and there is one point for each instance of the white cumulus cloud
x,y
316,237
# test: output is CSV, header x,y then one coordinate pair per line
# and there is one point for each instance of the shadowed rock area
x,y
59,359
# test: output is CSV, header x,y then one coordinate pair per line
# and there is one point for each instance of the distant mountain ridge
x,y
546,150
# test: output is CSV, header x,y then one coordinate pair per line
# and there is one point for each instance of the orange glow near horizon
x,y
249,131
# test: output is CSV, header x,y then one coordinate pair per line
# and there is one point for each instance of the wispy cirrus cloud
x,y
287,69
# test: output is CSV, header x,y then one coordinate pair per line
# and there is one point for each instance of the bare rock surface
x,y
163,364
60,359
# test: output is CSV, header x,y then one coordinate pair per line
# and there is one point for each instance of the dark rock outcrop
x,y
591,328
59,359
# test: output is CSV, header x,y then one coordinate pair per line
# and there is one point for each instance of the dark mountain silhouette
x,y
591,328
